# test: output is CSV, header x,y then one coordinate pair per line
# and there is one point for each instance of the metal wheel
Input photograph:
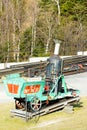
x,y
19,104
35,104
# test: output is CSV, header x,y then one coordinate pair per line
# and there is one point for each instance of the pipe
x,y
57,46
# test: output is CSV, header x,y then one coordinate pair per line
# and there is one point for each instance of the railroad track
x,y
51,108
71,72
70,66
74,60
24,68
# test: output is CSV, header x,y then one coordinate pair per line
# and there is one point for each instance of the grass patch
x,y
58,120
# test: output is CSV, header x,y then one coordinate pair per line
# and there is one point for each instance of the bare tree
x,y
58,7
16,22
1,23
34,10
49,30
14,30
19,28
7,25
1,6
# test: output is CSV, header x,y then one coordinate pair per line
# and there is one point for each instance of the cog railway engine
x,y
37,91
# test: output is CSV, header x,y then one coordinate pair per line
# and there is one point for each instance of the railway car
x,y
39,90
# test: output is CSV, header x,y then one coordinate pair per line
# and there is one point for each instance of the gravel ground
x,y
77,81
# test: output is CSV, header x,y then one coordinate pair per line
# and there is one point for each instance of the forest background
x,y
28,27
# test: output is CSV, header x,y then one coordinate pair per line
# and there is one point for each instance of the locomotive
x,y
36,91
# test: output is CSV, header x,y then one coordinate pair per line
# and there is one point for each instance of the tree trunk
x,y
18,49
19,26
14,30
33,37
49,30
58,6
48,40
7,27
34,20
1,6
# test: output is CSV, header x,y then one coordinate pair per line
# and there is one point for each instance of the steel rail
x,y
28,64
23,68
40,66
74,60
51,108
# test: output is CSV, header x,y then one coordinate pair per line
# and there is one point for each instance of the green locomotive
x,y
37,91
